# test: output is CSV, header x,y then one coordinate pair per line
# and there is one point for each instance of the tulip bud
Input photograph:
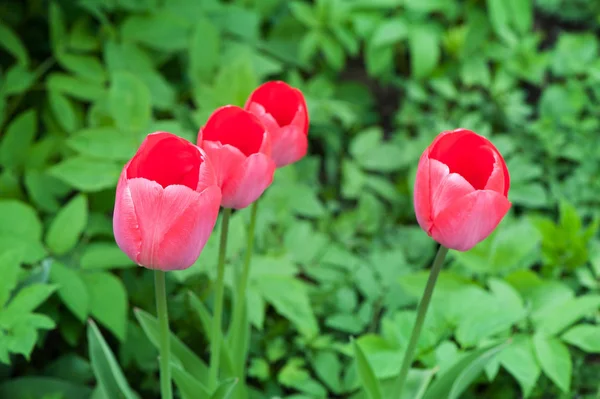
x,y
238,145
167,203
461,189
282,110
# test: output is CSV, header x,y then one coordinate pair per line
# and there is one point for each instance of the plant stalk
x,y
421,312
217,334
163,322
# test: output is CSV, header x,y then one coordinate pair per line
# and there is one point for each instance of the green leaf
x,y
75,87
452,383
71,289
58,30
87,174
106,368
584,336
500,14
522,14
38,387
108,301
129,101
161,31
567,313
423,42
303,13
203,314
20,228
390,32
17,80
9,270
225,389
104,255
189,387
520,361
204,50
17,139
103,142
290,298
366,374
179,351
555,360
85,66
64,111
64,231
10,41
25,302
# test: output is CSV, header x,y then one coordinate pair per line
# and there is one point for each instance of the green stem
x,y
239,327
421,312
217,334
163,322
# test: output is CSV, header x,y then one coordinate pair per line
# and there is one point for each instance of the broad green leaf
x,y
104,255
17,80
389,32
204,50
58,30
108,301
38,387
10,41
452,383
181,354
161,31
366,374
303,13
64,111
500,14
25,302
44,191
109,375
104,142
520,361
522,14
129,101
17,139
87,174
20,229
567,313
71,289
66,228
555,360
423,42
584,336
78,88
289,297
9,270
189,387
85,66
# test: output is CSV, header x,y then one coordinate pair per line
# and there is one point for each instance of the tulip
x,y
282,109
166,204
239,147
461,189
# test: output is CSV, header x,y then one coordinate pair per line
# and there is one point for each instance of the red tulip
x,y
239,148
167,203
282,109
461,189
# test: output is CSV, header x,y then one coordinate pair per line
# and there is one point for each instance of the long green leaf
x,y
189,387
105,366
225,389
365,372
453,382
180,352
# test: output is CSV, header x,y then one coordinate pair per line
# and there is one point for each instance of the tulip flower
x,y
167,203
282,109
461,189
239,147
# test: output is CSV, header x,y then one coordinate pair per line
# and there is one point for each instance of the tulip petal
x,y
499,180
125,223
174,222
248,182
284,102
470,219
225,159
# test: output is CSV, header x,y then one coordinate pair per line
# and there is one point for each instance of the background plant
x,y
338,253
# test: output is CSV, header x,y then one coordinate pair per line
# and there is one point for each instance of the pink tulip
x,y
282,109
239,147
167,203
461,189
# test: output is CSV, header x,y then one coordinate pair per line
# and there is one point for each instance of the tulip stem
x,y
239,322
217,334
163,322
436,267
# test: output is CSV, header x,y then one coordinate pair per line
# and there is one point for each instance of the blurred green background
x,y
338,251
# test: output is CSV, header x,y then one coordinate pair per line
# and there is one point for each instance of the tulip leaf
x,y
452,383
189,387
106,368
182,355
367,377
41,387
225,389
67,226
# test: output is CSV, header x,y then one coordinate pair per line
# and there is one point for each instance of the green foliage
x,y
338,253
